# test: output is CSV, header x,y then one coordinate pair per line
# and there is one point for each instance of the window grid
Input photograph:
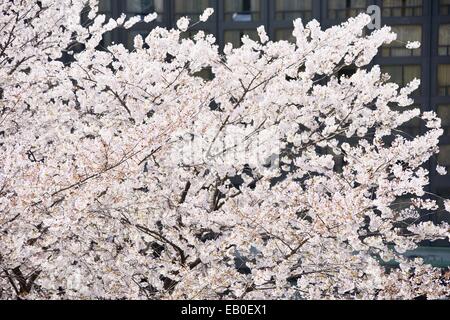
x,y
444,50
444,40
444,7
443,111
400,51
242,10
290,10
405,33
443,75
402,74
343,9
285,14
190,8
402,9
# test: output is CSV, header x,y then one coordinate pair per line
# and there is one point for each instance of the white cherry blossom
x,y
183,24
206,14
441,170
150,17
413,45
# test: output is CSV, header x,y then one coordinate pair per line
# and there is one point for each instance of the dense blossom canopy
x,y
131,174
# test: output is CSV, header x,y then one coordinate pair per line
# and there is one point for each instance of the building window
x,y
191,33
190,8
404,33
444,7
144,7
343,9
402,8
444,79
234,36
293,9
443,112
104,6
442,216
411,129
403,74
444,40
443,157
284,34
242,10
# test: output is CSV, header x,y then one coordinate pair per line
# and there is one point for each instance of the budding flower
x,y
183,24
441,170
262,34
413,45
206,14
92,14
121,19
150,17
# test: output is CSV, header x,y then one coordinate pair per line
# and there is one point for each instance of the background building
x,y
427,21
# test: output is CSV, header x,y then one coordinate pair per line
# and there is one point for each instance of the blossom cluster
x,y
93,205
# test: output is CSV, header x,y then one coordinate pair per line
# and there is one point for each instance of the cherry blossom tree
x,y
129,174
